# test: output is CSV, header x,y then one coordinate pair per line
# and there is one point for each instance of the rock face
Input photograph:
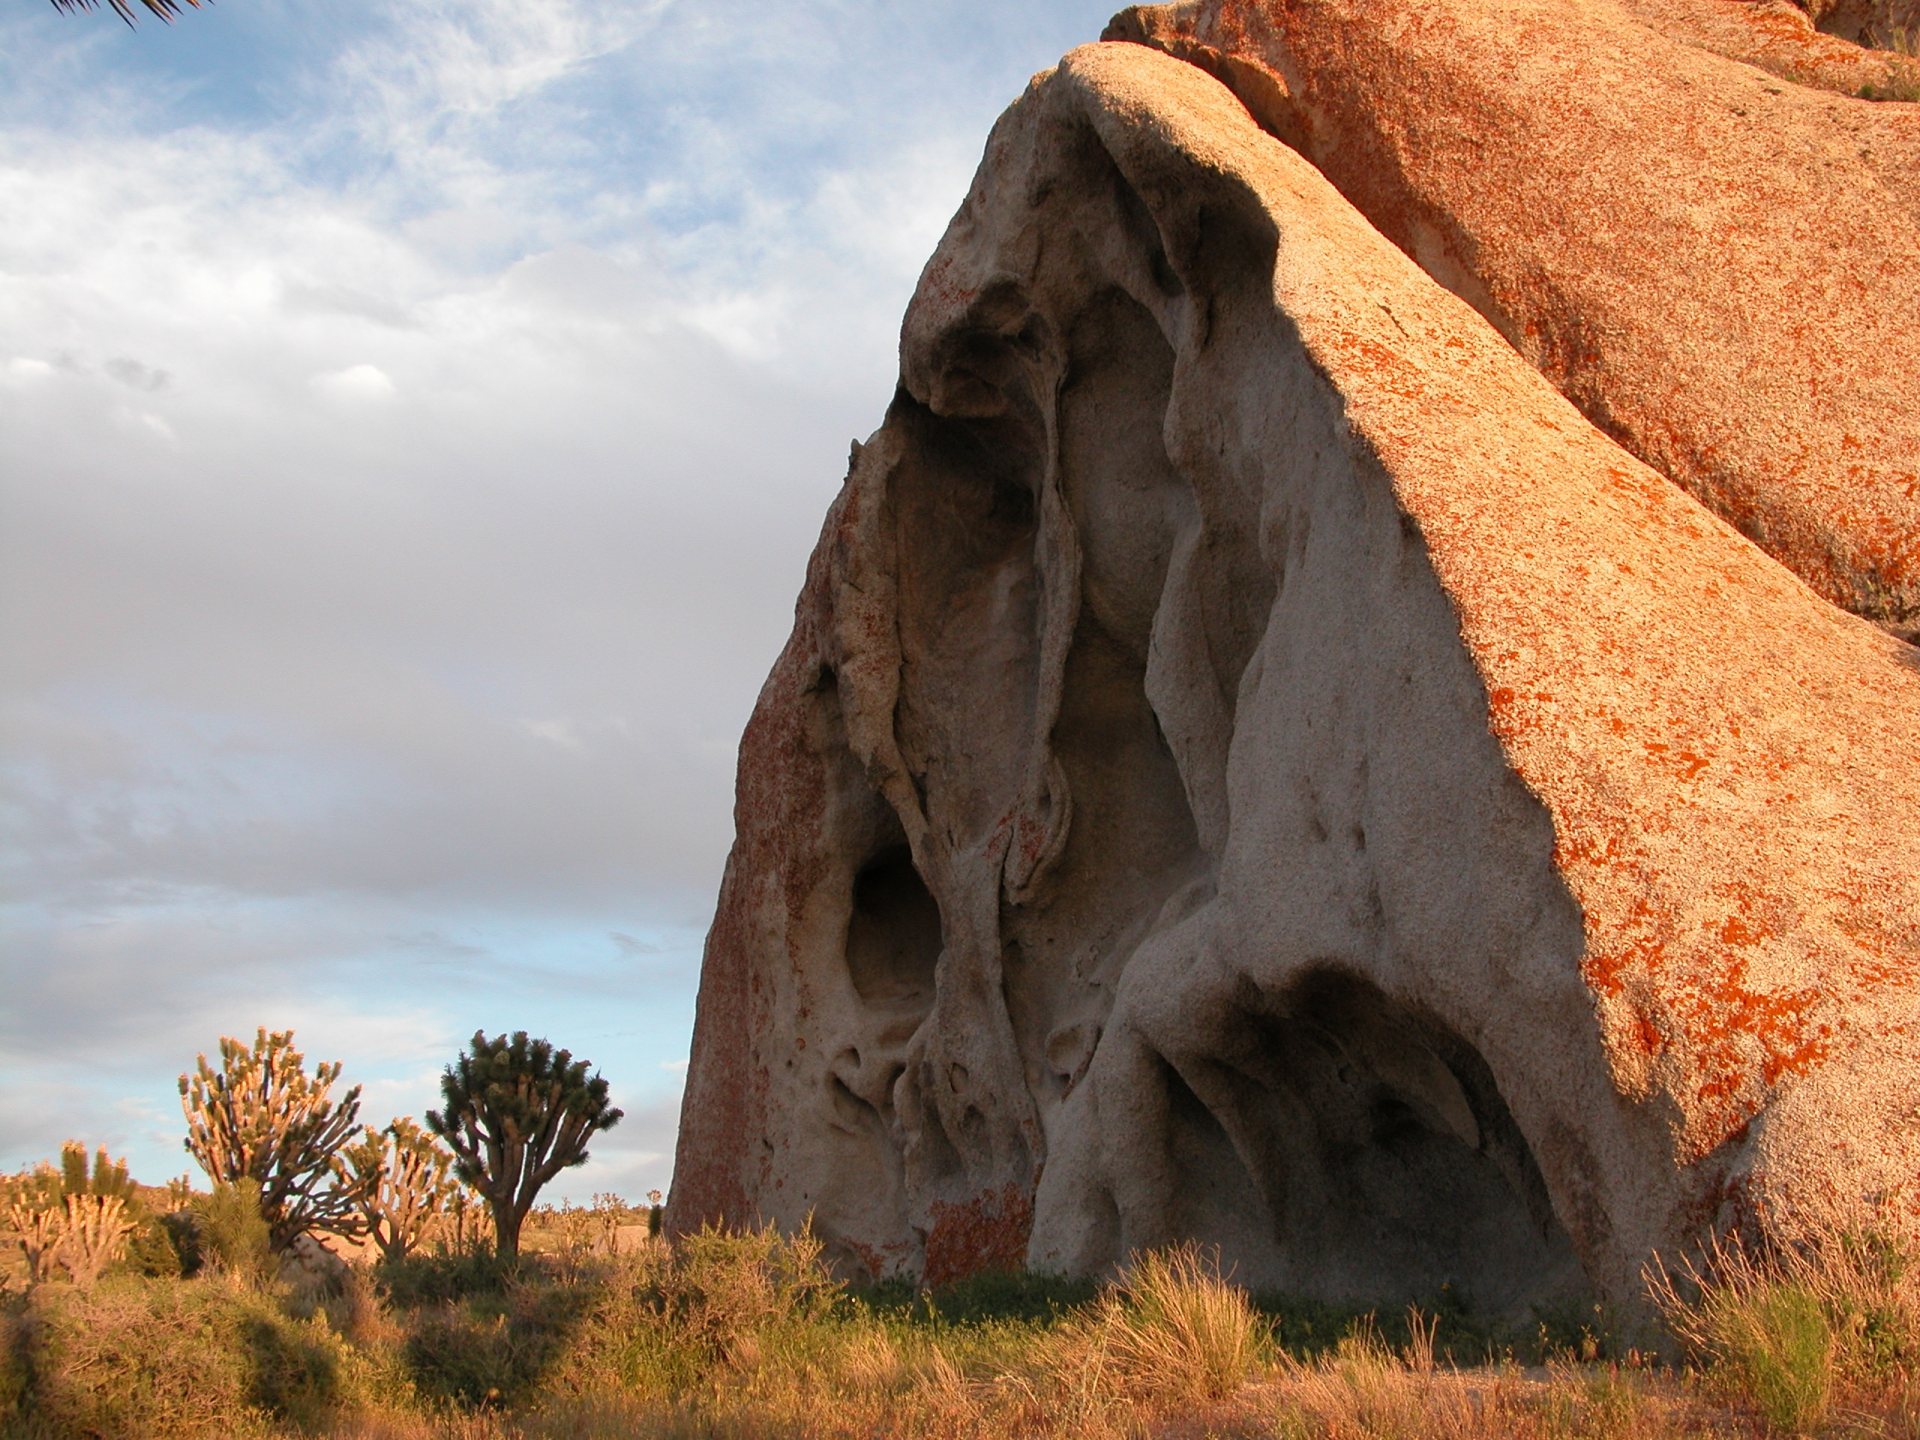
x,y
1254,762
1716,265
1868,22
1782,39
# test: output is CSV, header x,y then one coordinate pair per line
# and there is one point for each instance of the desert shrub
x,y
715,1309
1778,1343
13,1364
1868,1288
141,1358
419,1279
1786,1328
1362,1381
183,1237
723,1290
158,1246
474,1360
493,1350
1174,1329
624,1339
1603,1402
230,1233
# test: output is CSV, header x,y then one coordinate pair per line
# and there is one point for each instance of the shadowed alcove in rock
x,y
893,934
1338,1143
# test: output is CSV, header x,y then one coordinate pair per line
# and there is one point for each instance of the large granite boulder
x,y
1718,266
1254,762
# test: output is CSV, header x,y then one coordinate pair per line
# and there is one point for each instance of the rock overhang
x,y
1349,809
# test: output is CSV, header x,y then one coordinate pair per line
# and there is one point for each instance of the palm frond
x,y
165,9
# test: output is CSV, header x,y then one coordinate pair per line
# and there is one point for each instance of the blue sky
x,y
414,420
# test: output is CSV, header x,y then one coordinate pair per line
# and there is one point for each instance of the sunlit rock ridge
x,y
1356,707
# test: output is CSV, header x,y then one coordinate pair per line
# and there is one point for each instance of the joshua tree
x,y
404,1179
78,1222
96,1233
97,1207
518,1112
40,1234
109,1176
260,1117
466,1226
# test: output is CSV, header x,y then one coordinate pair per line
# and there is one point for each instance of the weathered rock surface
x,y
1718,266
1254,762
1866,22
1782,38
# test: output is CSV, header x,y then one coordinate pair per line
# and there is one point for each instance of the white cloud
x,y
24,369
410,456
555,732
145,422
360,384
469,58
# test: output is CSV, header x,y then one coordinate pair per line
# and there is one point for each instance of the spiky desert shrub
x,y
231,1235
403,1180
73,1221
494,1350
518,1112
724,1289
261,1117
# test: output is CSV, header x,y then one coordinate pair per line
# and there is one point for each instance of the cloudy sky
x,y
414,419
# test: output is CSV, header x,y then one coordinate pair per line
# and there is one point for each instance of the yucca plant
x,y
260,1116
517,1113
464,1226
78,1222
403,1180
38,1231
96,1229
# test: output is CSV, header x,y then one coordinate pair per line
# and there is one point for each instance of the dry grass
x,y
1174,1329
1833,1322
745,1335
1363,1390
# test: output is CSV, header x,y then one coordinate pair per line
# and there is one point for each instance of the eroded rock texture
x,y
1254,762
1718,266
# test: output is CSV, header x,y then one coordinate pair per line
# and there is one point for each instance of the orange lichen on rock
x,y
988,1232
1682,291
